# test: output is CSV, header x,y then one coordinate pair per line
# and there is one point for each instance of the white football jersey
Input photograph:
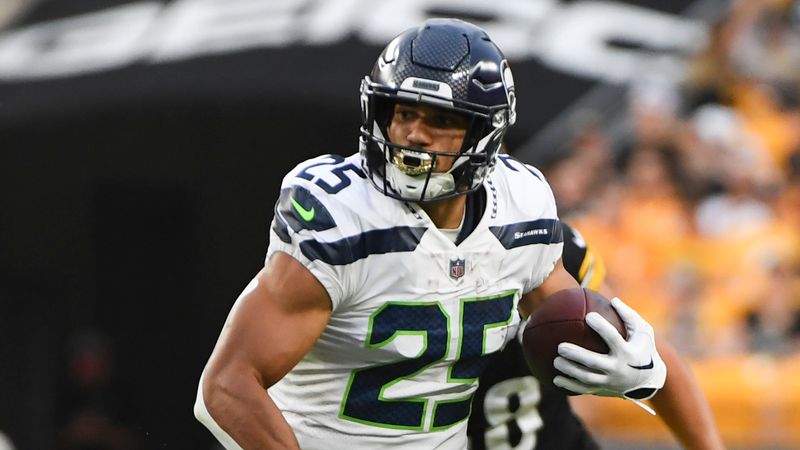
x,y
415,316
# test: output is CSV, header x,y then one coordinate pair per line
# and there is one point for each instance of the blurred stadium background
x,y
142,144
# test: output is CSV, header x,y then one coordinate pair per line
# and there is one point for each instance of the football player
x,y
512,410
393,274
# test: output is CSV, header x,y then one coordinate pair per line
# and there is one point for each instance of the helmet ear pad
x,y
384,110
378,113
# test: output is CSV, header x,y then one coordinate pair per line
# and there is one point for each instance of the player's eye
x,y
449,121
444,121
404,114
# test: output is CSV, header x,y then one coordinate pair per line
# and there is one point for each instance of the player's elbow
x,y
201,401
212,396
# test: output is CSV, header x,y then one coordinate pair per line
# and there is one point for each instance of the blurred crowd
x,y
695,205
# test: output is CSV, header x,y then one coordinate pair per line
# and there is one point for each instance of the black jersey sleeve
x,y
580,261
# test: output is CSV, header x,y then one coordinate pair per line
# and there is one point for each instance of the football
x,y
561,318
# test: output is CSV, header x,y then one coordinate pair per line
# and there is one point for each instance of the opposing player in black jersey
x,y
510,410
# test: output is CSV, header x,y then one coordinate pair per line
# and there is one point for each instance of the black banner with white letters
x,y
69,57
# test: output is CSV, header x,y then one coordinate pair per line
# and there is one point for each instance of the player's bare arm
x,y
681,404
275,321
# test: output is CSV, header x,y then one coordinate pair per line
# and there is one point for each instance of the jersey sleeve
x,y
580,261
533,198
553,245
306,225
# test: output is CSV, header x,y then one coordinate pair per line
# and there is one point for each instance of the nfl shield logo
x,y
457,268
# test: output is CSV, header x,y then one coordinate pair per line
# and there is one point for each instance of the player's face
x,y
429,128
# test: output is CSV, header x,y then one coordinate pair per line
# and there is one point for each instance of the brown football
x,y
561,318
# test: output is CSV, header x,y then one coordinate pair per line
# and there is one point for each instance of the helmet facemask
x,y
409,173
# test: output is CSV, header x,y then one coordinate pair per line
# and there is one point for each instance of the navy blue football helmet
x,y
445,63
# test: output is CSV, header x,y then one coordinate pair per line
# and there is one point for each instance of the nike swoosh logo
x,y
644,367
306,214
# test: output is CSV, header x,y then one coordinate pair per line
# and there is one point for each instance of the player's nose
x,y
419,134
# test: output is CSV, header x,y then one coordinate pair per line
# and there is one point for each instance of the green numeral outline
x,y
380,376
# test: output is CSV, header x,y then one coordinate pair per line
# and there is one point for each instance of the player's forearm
x,y
240,414
682,405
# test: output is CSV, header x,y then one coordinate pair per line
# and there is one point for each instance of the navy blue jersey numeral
x,y
339,172
365,401
510,162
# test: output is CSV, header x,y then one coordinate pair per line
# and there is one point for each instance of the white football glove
x,y
632,369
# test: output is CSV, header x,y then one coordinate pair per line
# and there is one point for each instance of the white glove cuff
x,y
649,387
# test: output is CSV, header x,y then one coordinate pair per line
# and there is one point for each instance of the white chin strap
x,y
411,186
